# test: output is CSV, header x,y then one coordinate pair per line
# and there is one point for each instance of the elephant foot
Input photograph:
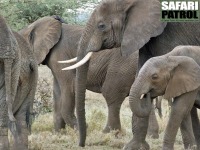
x,y
116,133
198,147
171,147
19,146
153,135
4,144
135,145
73,123
193,147
76,127
107,129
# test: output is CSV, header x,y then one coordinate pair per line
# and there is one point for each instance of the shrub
x,y
20,13
43,102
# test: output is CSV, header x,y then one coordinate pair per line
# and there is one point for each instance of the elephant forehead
x,y
148,68
158,62
108,7
154,65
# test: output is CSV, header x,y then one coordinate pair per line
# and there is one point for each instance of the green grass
x,y
44,137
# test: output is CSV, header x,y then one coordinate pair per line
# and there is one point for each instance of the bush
x,y
20,13
33,10
43,102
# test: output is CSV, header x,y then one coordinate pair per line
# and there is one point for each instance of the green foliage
x,y
33,10
20,13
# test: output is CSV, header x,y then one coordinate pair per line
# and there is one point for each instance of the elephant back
x,y
8,43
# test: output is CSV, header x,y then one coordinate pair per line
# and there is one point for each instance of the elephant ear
x,y
143,22
185,76
42,35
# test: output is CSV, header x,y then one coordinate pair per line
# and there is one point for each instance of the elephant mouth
x,y
107,44
144,96
110,42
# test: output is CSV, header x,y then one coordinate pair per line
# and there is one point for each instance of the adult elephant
x,y
103,76
133,25
18,76
175,76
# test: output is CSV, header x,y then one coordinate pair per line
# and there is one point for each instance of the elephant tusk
x,y
141,97
68,61
80,63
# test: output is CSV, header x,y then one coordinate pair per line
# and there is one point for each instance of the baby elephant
x,y
174,75
18,80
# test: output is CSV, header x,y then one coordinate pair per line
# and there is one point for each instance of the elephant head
x,y
128,24
42,35
170,76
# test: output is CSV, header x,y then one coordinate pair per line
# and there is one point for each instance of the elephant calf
x,y
109,72
20,88
174,75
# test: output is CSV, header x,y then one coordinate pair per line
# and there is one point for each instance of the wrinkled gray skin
x,y
133,25
109,74
159,105
22,84
195,120
175,76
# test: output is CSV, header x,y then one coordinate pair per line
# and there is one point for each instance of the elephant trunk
x,y
140,107
81,80
87,44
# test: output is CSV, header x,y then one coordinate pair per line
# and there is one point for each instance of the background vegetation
x,y
20,13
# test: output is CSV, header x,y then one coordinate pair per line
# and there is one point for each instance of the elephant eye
x,y
101,26
154,76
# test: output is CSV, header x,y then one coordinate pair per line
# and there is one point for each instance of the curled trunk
x,y
140,107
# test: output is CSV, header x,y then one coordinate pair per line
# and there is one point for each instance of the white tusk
x,y
80,63
141,97
68,61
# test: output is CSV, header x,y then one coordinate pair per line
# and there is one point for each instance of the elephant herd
x,y
124,50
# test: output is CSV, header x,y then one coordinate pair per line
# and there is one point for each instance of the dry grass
x,y
45,138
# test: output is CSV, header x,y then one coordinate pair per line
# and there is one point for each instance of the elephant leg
x,y
4,143
59,122
196,126
187,132
139,129
113,120
20,131
180,109
68,106
153,127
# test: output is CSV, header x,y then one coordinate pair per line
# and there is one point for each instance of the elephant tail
x,y
8,84
30,115
59,19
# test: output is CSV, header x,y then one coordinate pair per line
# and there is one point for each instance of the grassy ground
x,y
44,137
